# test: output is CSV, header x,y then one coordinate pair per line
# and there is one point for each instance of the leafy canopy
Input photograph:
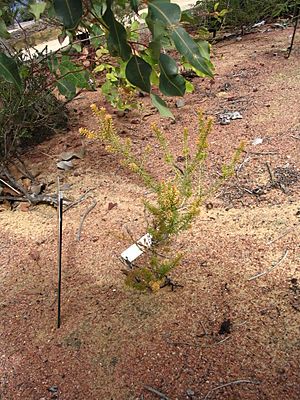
x,y
145,63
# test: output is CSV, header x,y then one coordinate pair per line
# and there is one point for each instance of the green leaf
x,y
138,73
161,106
37,9
69,11
66,88
99,7
77,47
97,32
117,37
196,54
186,16
170,82
134,4
3,30
52,62
167,13
9,71
72,73
189,87
154,49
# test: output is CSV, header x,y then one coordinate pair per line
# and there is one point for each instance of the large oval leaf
x,y
167,13
66,88
117,37
69,11
138,73
193,53
3,30
37,9
170,82
161,106
9,71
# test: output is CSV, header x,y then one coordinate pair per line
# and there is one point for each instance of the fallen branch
x,y
89,209
15,184
270,269
237,382
81,198
157,392
12,198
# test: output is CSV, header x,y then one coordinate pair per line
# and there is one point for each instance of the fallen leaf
x,y
35,255
37,189
24,207
68,155
111,206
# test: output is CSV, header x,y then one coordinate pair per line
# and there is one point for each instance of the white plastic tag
x,y
135,250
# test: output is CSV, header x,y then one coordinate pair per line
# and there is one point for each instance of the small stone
x,y
180,103
255,89
190,392
53,389
257,141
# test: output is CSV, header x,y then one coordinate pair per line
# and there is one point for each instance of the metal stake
x,y
60,216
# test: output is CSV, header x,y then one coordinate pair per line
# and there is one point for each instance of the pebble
x,y
180,103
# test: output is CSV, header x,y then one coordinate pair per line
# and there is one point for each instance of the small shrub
x,y
178,199
30,116
239,13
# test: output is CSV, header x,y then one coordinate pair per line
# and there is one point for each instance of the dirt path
x,y
221,336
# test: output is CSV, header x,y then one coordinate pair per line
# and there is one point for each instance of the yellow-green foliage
x,y
178,199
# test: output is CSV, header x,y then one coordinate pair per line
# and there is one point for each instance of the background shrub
x,y
31,115
241,13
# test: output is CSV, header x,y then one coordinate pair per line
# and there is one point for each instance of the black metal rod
x,y
60,216
296,17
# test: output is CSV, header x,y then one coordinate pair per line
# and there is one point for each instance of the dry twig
x,y
270,269
8,185
81,198
284,234
157,392
237,382
88,210
270,173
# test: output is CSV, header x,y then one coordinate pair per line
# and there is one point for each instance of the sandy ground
x,y
222,335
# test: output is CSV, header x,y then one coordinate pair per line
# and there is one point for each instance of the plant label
x,y
137,249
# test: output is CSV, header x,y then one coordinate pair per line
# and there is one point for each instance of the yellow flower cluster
x,y
87,133
169,196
